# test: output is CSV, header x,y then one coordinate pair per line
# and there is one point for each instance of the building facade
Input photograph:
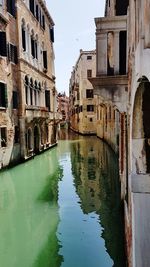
x,y
122,86
63,108
28,115
82,100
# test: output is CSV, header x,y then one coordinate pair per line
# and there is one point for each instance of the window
x,y
31,5
90,119
45,60
26,89
12,53
16,136
90,108
3,136
89,73
32,46
52,34
11,8
81,109
43,22
121,7
47,99
23,38
15,100
3,46
3,95
89,57
37,12
36,49
31,91
89,93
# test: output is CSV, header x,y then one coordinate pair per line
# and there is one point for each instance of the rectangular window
x,y
37,12
52,34
89,73
89,57
32,4
12,53
3,136
47,99
32,47
90,119
89,93
45,59
11,7
3,45
3,95
90,108
15,100
43,22
81,108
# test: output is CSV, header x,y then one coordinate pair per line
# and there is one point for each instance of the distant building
x,y
63,107
27,80
82,100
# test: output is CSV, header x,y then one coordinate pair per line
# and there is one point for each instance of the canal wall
x,y
122,84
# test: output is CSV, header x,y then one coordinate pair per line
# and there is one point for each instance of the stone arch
x,y
36,139
141,128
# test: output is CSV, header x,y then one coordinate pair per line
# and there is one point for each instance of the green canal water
x,y
62,208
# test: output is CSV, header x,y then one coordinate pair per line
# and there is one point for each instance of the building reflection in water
x,y
29,213
96,179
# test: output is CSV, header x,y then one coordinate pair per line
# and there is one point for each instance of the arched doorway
x,y
36,140
141,128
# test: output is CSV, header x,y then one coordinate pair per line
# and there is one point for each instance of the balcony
x,y
112,88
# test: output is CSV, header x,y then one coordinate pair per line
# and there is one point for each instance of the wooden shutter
x,y
45,59
3,46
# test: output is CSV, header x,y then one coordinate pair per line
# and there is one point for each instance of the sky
x,y
74,30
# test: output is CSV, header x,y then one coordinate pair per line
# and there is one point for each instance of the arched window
x,y
27,89
36,46
32,44
23,29
31,91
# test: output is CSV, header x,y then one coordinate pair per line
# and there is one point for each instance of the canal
x,y
62,208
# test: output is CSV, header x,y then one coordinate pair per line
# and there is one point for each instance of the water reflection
x,y
95,171
29,213
62,209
